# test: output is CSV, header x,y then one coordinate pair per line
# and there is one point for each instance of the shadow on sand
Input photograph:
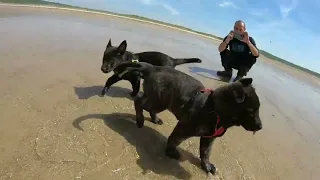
x,y
202,71
114,91
150,144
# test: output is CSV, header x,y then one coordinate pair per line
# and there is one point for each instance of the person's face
x,y
239,28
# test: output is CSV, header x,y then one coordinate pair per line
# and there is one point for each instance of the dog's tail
x,y
142,67
179,61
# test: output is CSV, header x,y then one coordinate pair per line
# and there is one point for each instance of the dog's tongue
x,y
254,132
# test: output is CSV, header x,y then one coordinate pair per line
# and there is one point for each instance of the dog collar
x,y
134,60
217,131
125,71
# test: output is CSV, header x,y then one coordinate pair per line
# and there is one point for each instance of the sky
x,y
289,29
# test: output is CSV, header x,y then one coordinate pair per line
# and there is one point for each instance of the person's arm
x,y
223,45
253,47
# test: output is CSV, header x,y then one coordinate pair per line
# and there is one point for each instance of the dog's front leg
x,y
155,119
111,80
178,135
205,150
138,106
135,82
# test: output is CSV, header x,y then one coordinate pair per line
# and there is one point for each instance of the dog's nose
x,y
259,127
104,69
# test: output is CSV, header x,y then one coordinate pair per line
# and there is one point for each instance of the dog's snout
x,y
259,127
104,69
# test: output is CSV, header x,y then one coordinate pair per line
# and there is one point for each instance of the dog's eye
x,y
250,112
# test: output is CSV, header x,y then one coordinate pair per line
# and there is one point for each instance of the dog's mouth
x,y
237,123
105,70
253,130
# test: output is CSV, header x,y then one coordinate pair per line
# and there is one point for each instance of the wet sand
x,y
50,80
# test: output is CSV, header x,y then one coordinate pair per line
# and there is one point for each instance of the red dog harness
x,y
217,131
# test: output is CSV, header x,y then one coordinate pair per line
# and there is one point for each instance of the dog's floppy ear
x,y
122,47
246,81
109,43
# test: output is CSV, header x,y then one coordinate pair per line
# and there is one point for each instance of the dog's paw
x,y
208,167
173,153
103,92
140,122
157,121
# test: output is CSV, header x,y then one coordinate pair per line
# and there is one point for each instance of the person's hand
x,y
245,38
229,37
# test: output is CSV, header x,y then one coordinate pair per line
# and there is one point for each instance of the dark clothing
x,y
238,56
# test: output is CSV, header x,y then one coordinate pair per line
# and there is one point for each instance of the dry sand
x,y
50,80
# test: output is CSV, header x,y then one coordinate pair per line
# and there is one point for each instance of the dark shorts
x,y
230,61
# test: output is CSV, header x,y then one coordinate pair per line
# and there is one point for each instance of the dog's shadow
x,y
114,91
150,144
212,73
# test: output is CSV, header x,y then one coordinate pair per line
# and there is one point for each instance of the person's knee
x,y
225,57
249,62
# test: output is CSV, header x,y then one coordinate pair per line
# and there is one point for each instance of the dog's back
x,y
171,87
166,86
155,58
161,59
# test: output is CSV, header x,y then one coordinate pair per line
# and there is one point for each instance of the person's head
x,y
239,27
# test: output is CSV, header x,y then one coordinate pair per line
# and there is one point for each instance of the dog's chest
x,y
201,130
204,129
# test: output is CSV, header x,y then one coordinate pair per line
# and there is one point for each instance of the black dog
x,y
113,56
200,112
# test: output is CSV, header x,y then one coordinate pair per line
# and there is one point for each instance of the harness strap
x,y
125,71
217,131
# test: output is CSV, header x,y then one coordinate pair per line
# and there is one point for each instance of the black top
x,y
240,48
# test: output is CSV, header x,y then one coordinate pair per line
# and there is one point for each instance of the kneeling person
x,y
242,54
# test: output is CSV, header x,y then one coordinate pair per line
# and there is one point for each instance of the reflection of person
x,y
242,53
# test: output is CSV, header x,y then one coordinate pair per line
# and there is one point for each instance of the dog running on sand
x,y
113,56
201,112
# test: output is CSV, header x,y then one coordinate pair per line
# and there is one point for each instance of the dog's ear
x,y
122,47
109,43
246,81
